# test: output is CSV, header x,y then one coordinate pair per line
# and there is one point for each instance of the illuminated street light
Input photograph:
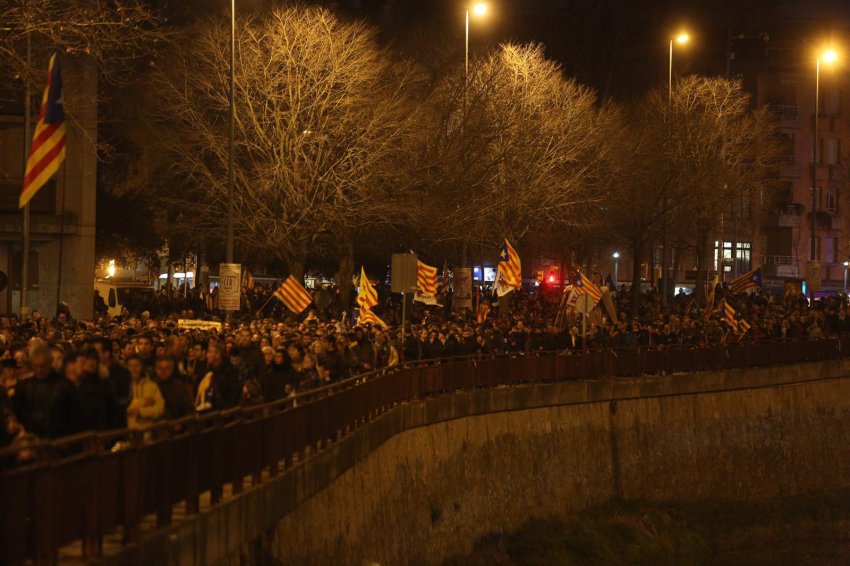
x,y
616,256
478,9
828,57
681,39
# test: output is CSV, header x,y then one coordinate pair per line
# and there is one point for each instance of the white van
x,y
119,294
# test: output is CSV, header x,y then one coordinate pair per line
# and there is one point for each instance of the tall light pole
x,y
829,57
230,171
478,9
682,38
616,256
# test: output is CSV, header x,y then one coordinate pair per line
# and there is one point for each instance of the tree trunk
x,y
699,283
677,261
296,266
346,272
637,257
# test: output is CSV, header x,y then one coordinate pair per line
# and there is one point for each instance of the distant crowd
x,y
61,376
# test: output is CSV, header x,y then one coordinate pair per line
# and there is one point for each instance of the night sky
x,y
619,47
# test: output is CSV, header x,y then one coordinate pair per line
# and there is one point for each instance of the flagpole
x,y
25,259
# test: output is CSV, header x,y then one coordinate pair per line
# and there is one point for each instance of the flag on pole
x,y
248,281
367,296
509,266
47,150
482,312
747,281
709,300
368,317
729,316
426,284
743,326
426,279
584,286
292,294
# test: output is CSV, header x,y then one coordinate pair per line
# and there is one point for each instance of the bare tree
x,y
118,34
709,150
511,154
321,112
721,152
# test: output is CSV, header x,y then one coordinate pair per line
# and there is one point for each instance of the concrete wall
x,y
424,481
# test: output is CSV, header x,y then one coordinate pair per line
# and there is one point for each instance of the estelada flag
x,y
292,294
47,151
368,317
747,281
367,296
509,266
584,286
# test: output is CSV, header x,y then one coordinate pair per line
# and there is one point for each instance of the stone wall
x,y
424,481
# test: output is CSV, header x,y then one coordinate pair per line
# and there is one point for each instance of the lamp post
x,y
478,9
846,265
616,256
829,56
230,171
682,38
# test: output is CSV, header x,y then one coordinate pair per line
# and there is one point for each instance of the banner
x,y
195,324
427,299
462,286
229,286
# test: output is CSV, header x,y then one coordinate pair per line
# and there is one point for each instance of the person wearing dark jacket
x,y
178,403
46,404
220,387
278,378
97,396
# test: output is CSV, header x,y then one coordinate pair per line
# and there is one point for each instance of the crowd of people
x,y
61,376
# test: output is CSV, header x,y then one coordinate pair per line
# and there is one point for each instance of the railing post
x,y
192,495
92,534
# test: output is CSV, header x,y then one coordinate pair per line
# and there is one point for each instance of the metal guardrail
x,y
93,484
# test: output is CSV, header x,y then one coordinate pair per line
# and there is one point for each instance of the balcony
x,y
789,116
788,216
780,266
789,167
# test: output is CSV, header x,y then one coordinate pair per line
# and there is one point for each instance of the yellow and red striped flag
x,y
509,266
47,150
743,326
367,296
368,317
292,294
482,312
747,281
426,279
729,316
584,286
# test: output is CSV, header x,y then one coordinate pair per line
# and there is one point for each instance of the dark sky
x,y
618,47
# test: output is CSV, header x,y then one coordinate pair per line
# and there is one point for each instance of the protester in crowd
x,y
178,401
47,404
147,405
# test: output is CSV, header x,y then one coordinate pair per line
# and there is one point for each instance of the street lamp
x,y
681,39
478,9
829,57
616,256
230,171
846,265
